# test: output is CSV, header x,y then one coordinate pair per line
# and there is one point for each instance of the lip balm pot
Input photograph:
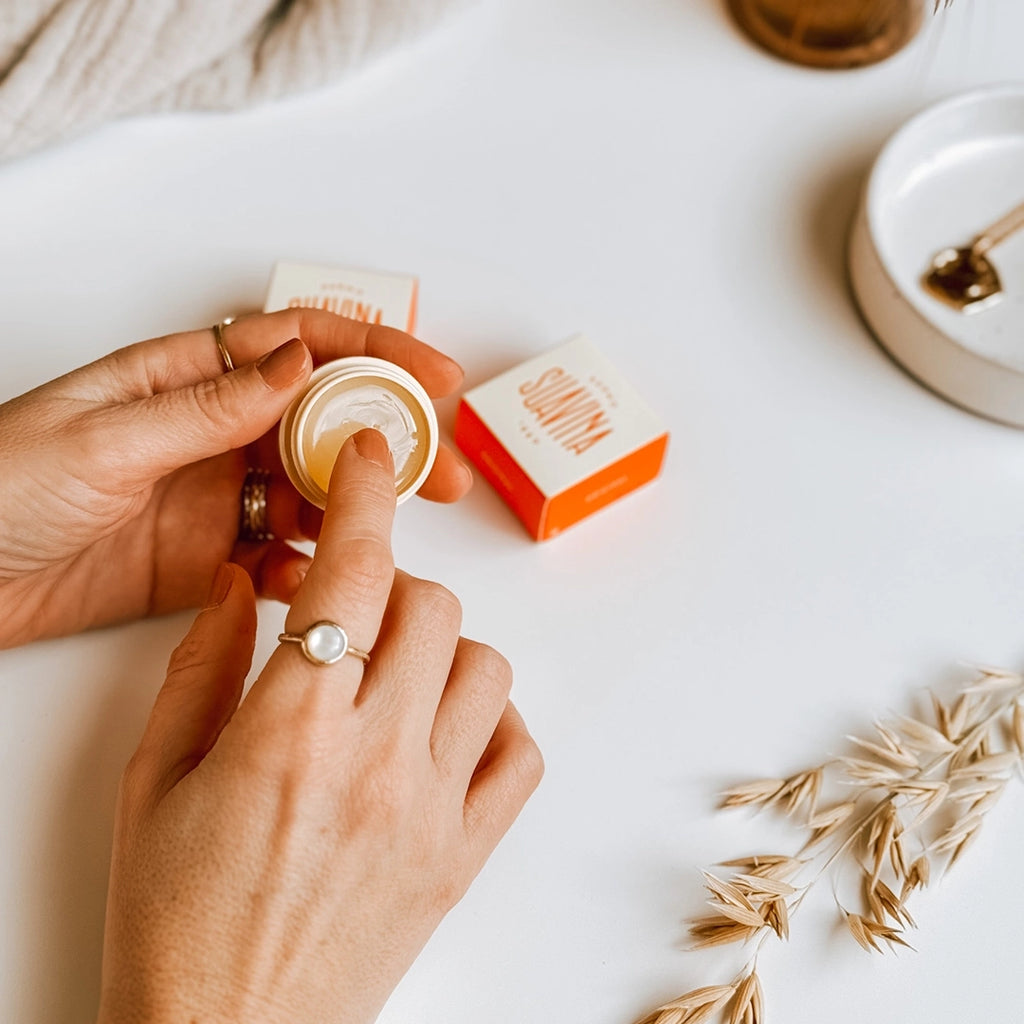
x,y
344,397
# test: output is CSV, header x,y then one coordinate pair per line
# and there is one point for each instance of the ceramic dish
x,y
946,175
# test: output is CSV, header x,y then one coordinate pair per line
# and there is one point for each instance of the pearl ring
x,y
324,643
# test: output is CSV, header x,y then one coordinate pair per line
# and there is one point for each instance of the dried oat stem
x,y
914,783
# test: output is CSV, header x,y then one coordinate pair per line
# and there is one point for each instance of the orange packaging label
x,y
372,297
560,436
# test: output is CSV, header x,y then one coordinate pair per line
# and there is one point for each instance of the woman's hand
x,y
121,480
284,859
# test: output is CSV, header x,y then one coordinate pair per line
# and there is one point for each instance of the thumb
x,y
203,687
174,428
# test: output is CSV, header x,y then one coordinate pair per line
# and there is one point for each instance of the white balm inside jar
x,y
344,397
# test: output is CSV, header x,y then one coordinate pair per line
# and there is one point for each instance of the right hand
x,y
284,858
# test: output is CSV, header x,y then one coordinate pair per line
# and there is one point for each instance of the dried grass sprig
x,y
915,796
743,999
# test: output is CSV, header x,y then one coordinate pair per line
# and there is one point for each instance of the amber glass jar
x,y
830,33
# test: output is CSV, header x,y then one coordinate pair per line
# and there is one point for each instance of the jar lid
x,y
344,397
940,182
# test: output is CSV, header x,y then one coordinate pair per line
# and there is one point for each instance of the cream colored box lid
x,y
372,296
565,414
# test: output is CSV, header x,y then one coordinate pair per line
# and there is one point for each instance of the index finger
x,y
350,578
181,359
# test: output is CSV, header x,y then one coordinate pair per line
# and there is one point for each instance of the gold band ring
x,y
218,337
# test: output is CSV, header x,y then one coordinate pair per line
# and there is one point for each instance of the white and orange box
x,y
367,295
561,436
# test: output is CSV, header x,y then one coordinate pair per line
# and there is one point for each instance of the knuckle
x,y
499,667
489,664
529,764
367,567
522,763
187,657
367,489
440,602
211,398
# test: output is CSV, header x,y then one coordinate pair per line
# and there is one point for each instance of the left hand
x,y
121,480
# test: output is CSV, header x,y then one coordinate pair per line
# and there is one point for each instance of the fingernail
x,y
221,586
372,446
284,365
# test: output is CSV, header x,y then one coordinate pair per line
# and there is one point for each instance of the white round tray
x,y
946,175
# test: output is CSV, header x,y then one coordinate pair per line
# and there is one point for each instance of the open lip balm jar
x,y
344,397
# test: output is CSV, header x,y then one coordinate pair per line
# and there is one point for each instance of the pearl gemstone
x,y
325,643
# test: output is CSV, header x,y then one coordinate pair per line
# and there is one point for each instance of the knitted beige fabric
x,y
68,65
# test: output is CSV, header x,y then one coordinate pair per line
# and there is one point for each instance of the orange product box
x,y
367,295
560,436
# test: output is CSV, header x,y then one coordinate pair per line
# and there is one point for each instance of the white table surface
x,y
827,537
